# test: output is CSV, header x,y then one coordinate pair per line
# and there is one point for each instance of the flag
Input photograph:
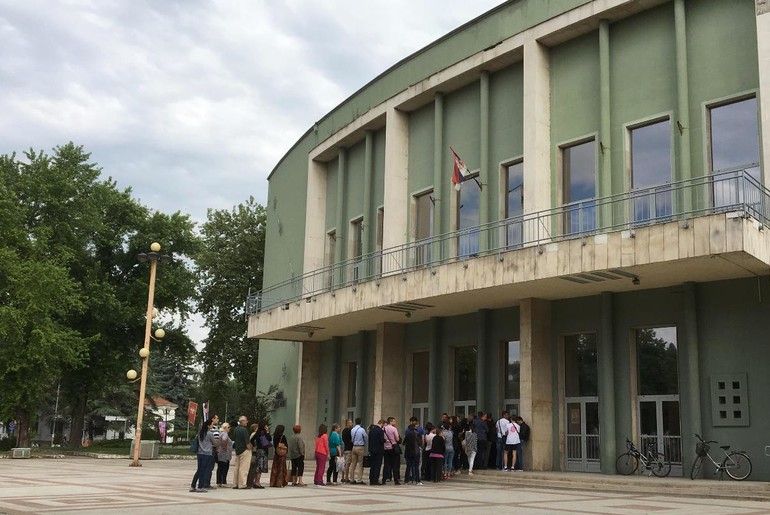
x,y
460,172
192,410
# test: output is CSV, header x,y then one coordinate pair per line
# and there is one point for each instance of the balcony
x,y
657,237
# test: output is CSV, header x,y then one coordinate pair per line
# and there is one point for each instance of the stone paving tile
x,y
89,486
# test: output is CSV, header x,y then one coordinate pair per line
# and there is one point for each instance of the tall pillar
x,y
440,177
605,128
370,220
682,123
388,371
536,382
362,386
537,127
485,173
763,54
434,364
308,390
691,414
315,217
482,363
607,388
396,179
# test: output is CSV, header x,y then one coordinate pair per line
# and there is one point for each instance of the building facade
x,y
603,271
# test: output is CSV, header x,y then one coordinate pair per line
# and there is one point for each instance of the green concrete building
x,y
603,269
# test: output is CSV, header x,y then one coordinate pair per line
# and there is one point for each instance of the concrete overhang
x,y
709,248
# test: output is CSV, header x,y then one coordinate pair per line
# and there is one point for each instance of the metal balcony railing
x,y
730,190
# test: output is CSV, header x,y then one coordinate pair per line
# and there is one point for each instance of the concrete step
x,y
706,488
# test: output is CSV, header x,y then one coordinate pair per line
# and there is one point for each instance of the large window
x,y
465,380
651,170
579,187
329,255
357,249
468,217
352,393
514,202
734,131
423,227
378,242
420,385
580,366
512,376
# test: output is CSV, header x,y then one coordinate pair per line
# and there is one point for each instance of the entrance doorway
x,y
465,380
581,399
658,393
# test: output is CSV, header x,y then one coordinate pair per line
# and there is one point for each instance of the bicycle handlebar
x,y
704,441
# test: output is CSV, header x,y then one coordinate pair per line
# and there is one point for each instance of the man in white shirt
x,y
512,442
501,427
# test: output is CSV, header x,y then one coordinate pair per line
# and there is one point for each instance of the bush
x,y
6,444
111,444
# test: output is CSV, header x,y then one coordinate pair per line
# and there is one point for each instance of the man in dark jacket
x,y
376,451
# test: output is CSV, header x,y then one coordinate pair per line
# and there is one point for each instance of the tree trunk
x,y
22,428
78,420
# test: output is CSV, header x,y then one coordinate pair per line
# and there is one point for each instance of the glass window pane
x,y
465,373
651,155
735,136
424,216
512,370
515,192
352,378
579,172
420,371
657,359
580,365
468,218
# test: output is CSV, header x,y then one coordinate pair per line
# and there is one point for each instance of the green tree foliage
x,y
74,294
230,264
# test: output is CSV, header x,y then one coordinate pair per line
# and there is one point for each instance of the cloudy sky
x,y
191,103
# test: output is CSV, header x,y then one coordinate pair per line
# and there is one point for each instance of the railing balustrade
x,y
731,190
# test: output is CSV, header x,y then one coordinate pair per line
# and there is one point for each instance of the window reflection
x,y
465,373
579,166
424,227
651,171
468,218
514,205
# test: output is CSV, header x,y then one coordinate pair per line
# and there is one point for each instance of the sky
x,y
191,103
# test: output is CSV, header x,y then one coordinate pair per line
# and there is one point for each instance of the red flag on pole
x,y
460,172
192,410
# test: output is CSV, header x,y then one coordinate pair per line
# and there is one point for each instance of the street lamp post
x,y
154,257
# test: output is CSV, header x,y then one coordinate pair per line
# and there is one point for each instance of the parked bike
x,y
653,461
737,464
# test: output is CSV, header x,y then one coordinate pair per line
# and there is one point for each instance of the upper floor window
x,y
468,216
357,249
423,226
734,138
651,170
579,186
514,201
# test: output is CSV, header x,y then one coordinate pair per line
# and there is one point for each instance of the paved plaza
x,y
78,485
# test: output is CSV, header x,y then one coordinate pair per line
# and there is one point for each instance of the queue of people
x,y
431,453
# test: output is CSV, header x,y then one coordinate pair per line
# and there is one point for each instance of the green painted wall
x,y
355,182
332,173
506,125
421,149
278,365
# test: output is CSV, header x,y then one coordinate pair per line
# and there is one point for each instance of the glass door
x,y
582,403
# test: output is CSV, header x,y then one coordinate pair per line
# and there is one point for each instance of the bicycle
x,y
655,462
737,464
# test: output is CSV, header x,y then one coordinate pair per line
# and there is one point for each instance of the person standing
x,y
347,449
206,444
297,456
335,451
449,452
412,454
437,455
512,442
242,449
524,431
321,455
278,471
480,428
471,448
376,451
224,455
359,437
501,431
261,441
430,434
392,454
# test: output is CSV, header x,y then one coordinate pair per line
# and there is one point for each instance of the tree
x,y
230,264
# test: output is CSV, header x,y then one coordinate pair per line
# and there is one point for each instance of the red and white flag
x,y
192,410
460,172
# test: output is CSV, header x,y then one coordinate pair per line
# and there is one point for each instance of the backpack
x,y
195,445
524,432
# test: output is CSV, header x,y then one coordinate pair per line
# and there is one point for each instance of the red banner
x,y
192,410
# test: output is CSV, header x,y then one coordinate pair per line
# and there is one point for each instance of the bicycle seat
x,y
725,447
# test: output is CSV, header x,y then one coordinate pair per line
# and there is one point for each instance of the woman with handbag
x,y
335,452
279,472
261,442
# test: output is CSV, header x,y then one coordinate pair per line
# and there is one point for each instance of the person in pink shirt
x,y
392,453
321,455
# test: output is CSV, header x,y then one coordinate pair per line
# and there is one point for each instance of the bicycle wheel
x,y
737,465
659,464
626,464
696,467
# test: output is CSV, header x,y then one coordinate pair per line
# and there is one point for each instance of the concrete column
x,y
342,229
536,381
315,217
606,385
388,371
485,172
605,128
396,179
335,370
537,127
370,220
434,362
682,123
440,176
482,363
763,53
688,365
308,390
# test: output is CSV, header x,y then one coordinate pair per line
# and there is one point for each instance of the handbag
x,y
367,461
281,450
341,464
264,441
396,447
